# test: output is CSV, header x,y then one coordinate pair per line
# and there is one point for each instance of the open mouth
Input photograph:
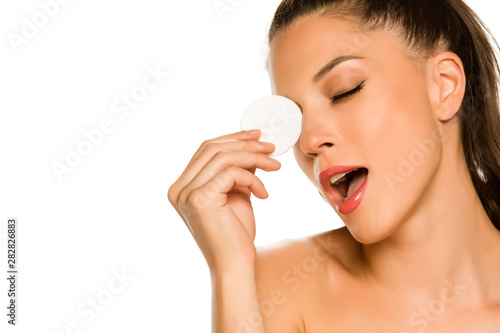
x,y
345,185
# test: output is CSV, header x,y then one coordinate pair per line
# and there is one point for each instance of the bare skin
x,y
419,254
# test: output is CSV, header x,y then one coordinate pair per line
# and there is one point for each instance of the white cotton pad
x,y
278,118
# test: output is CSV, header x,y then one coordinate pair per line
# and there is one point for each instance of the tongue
x,y
356,182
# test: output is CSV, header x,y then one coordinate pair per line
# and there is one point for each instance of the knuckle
x,y
220,154
205,144
214,151
251,157
225,158
173,194
256,144
196,199
232,170
182,199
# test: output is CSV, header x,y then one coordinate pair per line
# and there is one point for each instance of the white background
x,y
111,213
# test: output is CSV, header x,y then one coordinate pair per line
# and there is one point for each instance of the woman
x,y
401,135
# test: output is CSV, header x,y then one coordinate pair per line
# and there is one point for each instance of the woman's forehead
x,y
298,52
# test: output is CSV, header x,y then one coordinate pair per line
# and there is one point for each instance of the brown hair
x,y
425,25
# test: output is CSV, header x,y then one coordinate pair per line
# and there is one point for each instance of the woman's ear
x,y
448,80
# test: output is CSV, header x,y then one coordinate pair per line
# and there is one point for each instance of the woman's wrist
x,y
234,300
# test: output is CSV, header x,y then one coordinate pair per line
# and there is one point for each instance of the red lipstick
x,y
349,186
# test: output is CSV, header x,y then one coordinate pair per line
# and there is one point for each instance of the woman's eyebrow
x,y
331,65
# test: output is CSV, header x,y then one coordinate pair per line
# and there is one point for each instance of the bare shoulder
x,y
290,272
333,249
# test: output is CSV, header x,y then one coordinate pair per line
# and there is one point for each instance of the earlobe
x,y
450,79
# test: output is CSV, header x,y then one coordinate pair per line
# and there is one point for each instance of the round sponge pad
x,y
278,118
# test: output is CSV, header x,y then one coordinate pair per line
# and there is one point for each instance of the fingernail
x,y
253,131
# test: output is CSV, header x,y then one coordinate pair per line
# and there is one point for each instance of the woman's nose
x,y
319,134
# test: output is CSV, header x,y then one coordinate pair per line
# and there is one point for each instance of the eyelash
x,y
337,98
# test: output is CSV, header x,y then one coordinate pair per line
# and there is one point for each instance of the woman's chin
x,y
364,237
369,229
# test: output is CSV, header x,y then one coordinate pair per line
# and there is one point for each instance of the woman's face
x,y
386,126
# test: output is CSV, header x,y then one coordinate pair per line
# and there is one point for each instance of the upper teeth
x,y
335,178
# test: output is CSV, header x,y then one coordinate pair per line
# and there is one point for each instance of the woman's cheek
x,y
398,162
405,177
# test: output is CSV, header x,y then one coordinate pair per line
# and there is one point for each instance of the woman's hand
x,y
212,196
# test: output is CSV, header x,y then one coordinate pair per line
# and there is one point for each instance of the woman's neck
x,y
448,238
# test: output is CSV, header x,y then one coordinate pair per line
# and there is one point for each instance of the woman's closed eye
x,y
336,98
